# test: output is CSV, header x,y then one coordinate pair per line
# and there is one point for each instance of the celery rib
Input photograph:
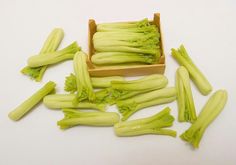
x,y
185,98
28,104
151,125
132,105
60,101
54,57
74,117
83,81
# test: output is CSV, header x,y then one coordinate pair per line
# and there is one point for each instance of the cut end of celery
x,y
13,116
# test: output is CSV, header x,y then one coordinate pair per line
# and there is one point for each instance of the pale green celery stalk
x,y
152,51
180,99
210,111
114,42
120,36
147,82
150,125
147,29
121,66
125,94
97,82
54,57
50,45
185,98
33,100
127,110
127,37
130,36
109,58
75,117
123,25
145,120
83,81
59,101
196,75
129,106
160,93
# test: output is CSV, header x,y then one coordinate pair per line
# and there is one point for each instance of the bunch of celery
x,y
151,125
74,117
83,81
130,106
51,44
97,82
27,105
60,101
119,43
210,111
37,64
125,89
184,96
196,75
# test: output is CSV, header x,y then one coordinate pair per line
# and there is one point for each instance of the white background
x,y
206,28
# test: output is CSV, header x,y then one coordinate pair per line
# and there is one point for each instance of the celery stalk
x,y
60,101
127,110
109,58
83,81
54,57
132,37
75,117
28,104
113,42
150,125
160,93
133,104
185,98
147,82
51,44
152,51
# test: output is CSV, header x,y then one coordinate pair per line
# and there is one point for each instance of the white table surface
x,y
206,28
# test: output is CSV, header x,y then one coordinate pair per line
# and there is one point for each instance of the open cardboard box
x,y
132,70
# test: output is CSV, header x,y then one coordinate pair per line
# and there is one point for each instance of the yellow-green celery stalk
x,y
28,104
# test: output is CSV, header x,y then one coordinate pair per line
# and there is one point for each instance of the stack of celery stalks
x,y
119,43
126,43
